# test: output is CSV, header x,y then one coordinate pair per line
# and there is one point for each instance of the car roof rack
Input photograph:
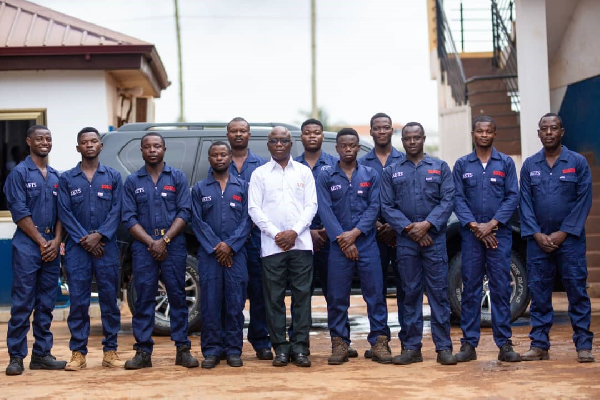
x,y
195,126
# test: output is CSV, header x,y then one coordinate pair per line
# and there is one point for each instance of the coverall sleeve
x,y
204,233
239,236
440,213
129,214
73,227
367,220
574,223
16,196
109,227
390,213
255,198
184,199
511,194
529,225
461,208
310,202
328,218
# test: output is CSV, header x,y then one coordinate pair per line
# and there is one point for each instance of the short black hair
x,y
237,119
152,133
409,124
550,114
34,128
380,115
483,118
86,130
347,132
219,143
311,121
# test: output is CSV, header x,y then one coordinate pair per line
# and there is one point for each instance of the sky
x,y
252,58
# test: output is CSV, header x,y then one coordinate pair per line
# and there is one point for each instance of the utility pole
x,y
313,52
181,117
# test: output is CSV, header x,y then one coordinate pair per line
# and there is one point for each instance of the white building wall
x,y
72,99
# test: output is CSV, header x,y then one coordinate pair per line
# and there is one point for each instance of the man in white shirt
x,y
282,202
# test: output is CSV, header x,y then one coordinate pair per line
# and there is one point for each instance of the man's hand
x,y
545,242
49,250
317,239
224,254
490,241
426,241
351,252
386,234
286,240
98,251
158,250
347,238
90,241
484,229
417,230
558,237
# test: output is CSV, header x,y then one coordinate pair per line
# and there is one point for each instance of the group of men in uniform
x,y
263,227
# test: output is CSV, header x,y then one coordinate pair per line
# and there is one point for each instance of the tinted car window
x,y
181,154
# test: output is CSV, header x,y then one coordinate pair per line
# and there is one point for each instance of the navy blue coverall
x,y
483,194
557,199
155,208
34,283
258,333
387,254
85,207
414,193
344,205
221,217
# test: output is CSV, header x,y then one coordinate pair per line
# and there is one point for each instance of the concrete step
x,y
592,225
491,109
595,173
595,190
512,147
592,240
593,258
595,207
593,275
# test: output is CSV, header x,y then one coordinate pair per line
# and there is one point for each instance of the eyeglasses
x,y
283,141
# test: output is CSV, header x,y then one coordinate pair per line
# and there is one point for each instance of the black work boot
x,y
15,366
234,360
408,357
352,353
507,353
185,358
142,359
46,362
466,353
210,362
445,357
339,351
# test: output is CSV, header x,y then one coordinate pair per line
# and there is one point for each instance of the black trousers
x,y
293,268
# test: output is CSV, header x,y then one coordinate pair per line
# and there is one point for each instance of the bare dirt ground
x,y
560,377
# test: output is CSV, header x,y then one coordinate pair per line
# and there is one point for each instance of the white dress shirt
x,y
282,199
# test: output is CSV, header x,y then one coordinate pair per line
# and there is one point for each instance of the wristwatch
x,y
166,239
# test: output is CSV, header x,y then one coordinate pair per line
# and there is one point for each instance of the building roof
x,y
36,37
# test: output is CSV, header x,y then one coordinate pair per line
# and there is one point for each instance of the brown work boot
x,y
77,362
111,360
585,356
339,351
381,351
535,354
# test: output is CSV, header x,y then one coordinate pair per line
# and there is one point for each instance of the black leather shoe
x,y
352,353
46,362
445,357
210,362
466,353
15,366
508,354
234,361
142,359
185,358
264,354
368,353
281,360
301,360
408,357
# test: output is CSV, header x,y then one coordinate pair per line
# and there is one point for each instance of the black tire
x,y
162,325
519,298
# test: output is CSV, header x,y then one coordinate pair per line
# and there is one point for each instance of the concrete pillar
x,y
534,85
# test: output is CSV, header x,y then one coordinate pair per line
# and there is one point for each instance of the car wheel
x,y
162,321
519,297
